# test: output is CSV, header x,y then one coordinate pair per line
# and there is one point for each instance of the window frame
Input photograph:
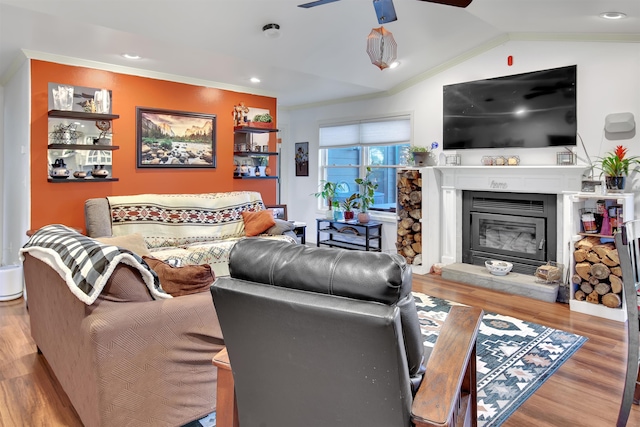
x,y
364,157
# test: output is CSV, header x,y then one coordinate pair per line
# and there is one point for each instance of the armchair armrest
x,y
448,393
226,407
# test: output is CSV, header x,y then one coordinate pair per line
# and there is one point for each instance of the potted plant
x,y
348,205
262,121
422,156
616,166
327,192
367,195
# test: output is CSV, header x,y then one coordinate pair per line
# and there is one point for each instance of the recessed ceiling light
x,y
131,56
254,80
394,64
613,15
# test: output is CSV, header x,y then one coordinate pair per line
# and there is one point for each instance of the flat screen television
x,y
529,110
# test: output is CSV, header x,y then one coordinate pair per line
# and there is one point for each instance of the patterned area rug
x,y
514,358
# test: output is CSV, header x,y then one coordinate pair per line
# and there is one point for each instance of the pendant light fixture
x,y
381,47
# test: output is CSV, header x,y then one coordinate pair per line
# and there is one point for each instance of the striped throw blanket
x,y
84,263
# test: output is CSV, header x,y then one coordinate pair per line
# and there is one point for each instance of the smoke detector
x,y
271,31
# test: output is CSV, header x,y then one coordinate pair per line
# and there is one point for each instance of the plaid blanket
x,y
84,263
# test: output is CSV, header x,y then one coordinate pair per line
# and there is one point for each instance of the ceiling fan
x,y
384,8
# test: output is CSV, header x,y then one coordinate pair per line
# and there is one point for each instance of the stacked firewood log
x,y
597,272
409,243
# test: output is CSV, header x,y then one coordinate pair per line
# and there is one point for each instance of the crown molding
x,y
140,72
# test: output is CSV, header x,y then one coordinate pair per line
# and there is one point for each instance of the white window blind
x,y
384,131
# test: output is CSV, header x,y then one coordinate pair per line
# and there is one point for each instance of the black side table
x,y
350,234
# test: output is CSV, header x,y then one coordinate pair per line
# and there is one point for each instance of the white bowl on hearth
x,y
498,268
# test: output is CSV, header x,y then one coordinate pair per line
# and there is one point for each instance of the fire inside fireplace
x,y
520,228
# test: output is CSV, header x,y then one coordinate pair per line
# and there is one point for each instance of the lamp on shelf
x,y
381,47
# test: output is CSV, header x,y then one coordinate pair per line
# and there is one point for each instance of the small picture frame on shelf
x,y
279,211
589,186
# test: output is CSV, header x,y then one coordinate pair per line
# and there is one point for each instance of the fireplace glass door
x,y
495,235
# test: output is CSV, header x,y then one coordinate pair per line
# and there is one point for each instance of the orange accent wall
x,y
64,202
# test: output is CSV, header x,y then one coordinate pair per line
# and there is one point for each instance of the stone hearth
x,y
512,283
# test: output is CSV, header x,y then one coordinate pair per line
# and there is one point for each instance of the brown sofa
x,y
126,359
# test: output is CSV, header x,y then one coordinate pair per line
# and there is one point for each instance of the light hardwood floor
x,y
584,392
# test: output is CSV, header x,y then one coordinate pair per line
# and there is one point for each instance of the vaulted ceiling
x,y
320,53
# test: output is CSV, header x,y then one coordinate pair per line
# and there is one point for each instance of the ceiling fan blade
x,y
457,3
385,11
316,3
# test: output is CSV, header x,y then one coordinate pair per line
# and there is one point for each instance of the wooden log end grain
x,y
611,300
593,298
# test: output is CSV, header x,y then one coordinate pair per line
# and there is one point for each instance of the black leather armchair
x,y
330,337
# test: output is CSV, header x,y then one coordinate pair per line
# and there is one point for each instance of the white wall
x,y
16,164
3,157
608,82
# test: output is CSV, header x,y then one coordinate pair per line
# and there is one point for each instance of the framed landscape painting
x,y
175,139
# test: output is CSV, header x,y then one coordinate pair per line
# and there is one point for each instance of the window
x,y
346,150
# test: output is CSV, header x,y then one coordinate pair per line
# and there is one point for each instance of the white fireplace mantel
x,y
516,179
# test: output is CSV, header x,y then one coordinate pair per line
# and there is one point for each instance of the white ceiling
x,y
320,54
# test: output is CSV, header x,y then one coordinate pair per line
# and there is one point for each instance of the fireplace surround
x,y
452,181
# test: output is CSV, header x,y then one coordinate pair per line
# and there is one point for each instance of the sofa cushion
x,y
177,281
257,222
281,226
133,242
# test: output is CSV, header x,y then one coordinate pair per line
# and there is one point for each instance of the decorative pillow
x,y
177,281
280,227
132,242
256,223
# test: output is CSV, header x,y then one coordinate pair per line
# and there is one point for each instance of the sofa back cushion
x,y
167,220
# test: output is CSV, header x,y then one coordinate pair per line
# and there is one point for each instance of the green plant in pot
x,y
327,192
615,166
348,205
262,121
367,195
263,118
423,156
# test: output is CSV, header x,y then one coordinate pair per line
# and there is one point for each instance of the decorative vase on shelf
x,y
59,170
363,217
420,158
615,183
348,215
99,172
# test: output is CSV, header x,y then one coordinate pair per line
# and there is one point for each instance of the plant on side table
x,y
616,166
327,192
348,205
367,195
